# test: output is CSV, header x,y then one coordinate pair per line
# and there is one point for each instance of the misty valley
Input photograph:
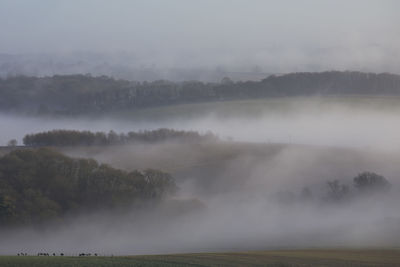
x,y
229,133
247,173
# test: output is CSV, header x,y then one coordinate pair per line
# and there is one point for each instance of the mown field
x,y
292,258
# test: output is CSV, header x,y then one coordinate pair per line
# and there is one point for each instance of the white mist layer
x,y
237,184
228,223
315,122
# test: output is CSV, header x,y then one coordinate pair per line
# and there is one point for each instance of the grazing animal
x,y
43,254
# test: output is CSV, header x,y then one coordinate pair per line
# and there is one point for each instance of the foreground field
x,y
262,258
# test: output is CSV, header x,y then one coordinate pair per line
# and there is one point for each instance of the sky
x,y
280,35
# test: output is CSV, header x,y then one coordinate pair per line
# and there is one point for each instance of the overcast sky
x,y
288,35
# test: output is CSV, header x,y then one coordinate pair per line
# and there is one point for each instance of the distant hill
x,y
80,94
120,65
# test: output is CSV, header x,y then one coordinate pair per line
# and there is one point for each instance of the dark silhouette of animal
x,y
43,254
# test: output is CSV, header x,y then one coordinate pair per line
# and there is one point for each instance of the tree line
x,y
87,138
78,94
37,185
365,184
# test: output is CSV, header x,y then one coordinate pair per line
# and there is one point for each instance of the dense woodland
x,y
77,94
42,184
87,138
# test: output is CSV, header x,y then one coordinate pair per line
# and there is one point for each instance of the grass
x,y
293,258
255,107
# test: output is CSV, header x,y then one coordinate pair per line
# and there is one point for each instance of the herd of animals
x,y
55,254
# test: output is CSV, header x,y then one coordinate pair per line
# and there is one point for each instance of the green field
x,y
254,107
326,258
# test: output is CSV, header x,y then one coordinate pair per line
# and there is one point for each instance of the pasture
x,y
293,258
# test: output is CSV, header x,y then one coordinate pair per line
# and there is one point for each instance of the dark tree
x,y
337,191
370,182
12,143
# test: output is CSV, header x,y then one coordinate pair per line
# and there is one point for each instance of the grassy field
x,y
255,107
262,258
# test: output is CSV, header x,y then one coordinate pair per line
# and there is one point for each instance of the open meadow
x,y
274,258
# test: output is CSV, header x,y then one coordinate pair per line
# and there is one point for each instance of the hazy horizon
x,y
235,36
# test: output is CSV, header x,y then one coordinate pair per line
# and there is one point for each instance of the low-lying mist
x,y
240,220
237,195
353,121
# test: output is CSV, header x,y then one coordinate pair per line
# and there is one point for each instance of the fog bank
x,y
345,122
237,195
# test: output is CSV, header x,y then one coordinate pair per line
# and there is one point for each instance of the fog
x,y
227,223
344,122
176,39
248,189
242,194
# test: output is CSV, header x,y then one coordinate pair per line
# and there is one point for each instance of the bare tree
x,y
337,191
